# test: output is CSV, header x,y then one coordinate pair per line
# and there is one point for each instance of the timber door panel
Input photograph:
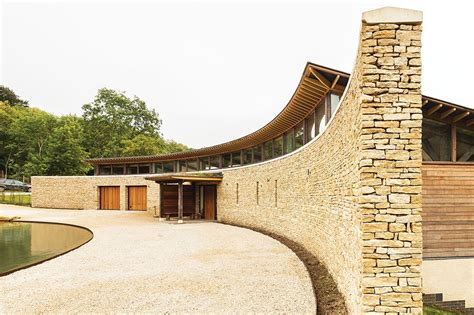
x,y
209,202
109,198
169,200
137,198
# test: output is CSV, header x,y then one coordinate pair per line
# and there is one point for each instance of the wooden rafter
x,y
460,116
425,102
320,77
470,123
447,113
434,109
335,81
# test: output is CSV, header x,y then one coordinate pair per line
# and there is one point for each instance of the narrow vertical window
x,y
276,192
237,193
257,193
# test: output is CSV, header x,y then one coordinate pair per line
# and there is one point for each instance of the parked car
x,y
11,184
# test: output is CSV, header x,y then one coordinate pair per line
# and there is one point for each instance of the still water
x,y
23,243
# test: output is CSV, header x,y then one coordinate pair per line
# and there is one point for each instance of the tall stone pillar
x,y
390,161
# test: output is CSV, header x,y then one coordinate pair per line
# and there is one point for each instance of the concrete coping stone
x,y
392,15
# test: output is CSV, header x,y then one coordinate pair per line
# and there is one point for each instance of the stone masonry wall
x,y
390,167
352,197
82,192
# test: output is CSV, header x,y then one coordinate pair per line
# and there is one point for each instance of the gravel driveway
x,y
137,264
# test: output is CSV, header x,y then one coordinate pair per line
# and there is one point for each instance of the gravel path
x,y
137,264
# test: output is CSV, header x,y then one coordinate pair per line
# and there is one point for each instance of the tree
x,y
173,146
144,145
8,96
112,118
65,154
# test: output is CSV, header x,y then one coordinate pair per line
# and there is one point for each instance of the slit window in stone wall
x,y
310,127
192,165
247,156
257,154
257,193
215,162
464,145
436,141
278,147
236,158
168,167
299,136
268,150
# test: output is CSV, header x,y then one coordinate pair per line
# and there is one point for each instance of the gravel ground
x,y
136,264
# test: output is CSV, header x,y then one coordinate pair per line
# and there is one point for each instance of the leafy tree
x,y
173,146
143,145
8,96
28,140
65,154
112,118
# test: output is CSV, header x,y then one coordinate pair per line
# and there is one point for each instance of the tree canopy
x,y
34,142
8,96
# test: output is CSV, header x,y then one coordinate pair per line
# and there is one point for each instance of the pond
x,y
24,244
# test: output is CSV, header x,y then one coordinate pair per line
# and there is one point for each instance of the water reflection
x,y
24,244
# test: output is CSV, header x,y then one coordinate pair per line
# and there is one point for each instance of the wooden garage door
x,y
137,196
110,198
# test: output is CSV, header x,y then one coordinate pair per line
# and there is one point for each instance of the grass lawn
x,y
433,310
15,198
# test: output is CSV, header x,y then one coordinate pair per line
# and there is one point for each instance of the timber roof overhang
x,y
316,82
210,178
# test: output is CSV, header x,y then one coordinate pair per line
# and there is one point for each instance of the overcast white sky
x,y
213,71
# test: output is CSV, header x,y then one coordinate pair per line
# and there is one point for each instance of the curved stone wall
x,y
351,197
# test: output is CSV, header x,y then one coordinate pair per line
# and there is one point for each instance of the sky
x,y
214,71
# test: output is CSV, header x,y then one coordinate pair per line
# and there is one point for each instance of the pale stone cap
x,y
392,15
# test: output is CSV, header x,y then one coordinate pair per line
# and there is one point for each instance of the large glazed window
x,y
320,117
436,141
464,145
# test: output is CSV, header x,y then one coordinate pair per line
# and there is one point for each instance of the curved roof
x,y
314,84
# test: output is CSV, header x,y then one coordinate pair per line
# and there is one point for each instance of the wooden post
x,y
180,202
453,143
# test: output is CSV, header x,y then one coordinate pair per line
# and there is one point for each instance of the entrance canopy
x,y
204,178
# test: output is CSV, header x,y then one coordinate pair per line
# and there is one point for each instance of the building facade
x,y
341,171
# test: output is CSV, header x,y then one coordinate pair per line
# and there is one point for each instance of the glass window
x,y
181,166
158,168
320,117
132,169
334,99
144,169
247,156
464,145
257,154
268,150
215,162
236,158
278,147
299,137
105,170
289,142
226,162
192,165
310,127
118,170
204,163
436,141
168,167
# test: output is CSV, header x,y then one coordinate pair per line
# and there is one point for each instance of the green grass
x,y
15,198
433,310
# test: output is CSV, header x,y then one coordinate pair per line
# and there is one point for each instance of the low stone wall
x,y
82,192
352,197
